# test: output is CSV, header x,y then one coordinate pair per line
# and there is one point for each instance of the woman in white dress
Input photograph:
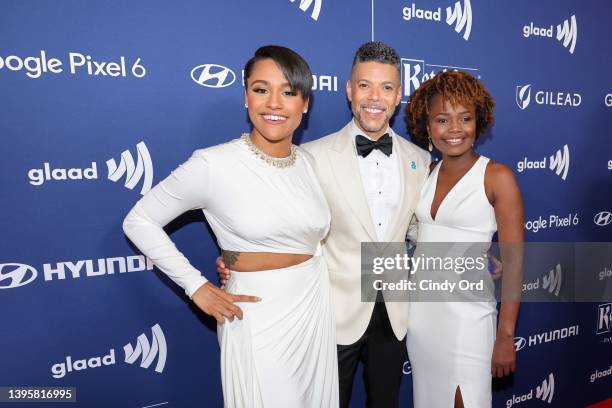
x,y
454,343
263,202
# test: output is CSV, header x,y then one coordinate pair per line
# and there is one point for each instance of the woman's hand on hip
x,y
219,303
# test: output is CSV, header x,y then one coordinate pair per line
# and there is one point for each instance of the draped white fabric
x,y
283,352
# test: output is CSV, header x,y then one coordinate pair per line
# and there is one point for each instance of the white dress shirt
x,y
381,183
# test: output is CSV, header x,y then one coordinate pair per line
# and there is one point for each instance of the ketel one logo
x,y
213,76
460,16
146,351
567,32
13,275
415,72
544,392
604,318
305,5
547,98
603,218
133,173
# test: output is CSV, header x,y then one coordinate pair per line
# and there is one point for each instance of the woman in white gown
x,y
263,202
453,342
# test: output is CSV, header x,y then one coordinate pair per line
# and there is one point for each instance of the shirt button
x,y
380,192
377,163
379,224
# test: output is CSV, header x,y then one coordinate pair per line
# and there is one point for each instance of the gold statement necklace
x,y
280,162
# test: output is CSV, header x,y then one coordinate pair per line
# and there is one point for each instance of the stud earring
x,y
246,106
305,110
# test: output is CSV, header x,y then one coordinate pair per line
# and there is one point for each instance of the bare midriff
x,y
261,261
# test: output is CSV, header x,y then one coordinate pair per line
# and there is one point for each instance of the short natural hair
x,y
457,87
376,51
294,67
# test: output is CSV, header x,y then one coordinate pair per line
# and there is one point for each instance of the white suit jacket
x,y
351,224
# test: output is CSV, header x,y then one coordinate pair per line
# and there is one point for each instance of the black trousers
x,y
382,355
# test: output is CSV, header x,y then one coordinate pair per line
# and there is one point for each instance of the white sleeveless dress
x,y
450,343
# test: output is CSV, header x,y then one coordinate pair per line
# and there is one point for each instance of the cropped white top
x,y
250,206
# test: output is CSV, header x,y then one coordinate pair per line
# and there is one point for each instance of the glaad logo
x,y
567,32
600,374
144,167
415,72
546,337
549,98
213,76
316,10
13,275
149,351
551,282
603,218
544,392
460,16
604,318
608,101
559,163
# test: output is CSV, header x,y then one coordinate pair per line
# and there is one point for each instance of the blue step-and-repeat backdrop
x,y
99,100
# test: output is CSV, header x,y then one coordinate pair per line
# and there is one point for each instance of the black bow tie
x,y
365,145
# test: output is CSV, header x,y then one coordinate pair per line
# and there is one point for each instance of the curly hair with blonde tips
x,y
457,87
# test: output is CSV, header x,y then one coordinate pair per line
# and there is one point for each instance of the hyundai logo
x,y
519,343
13,275
213,76
603,218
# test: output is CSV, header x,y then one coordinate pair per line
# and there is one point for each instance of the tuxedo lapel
x,y
348,179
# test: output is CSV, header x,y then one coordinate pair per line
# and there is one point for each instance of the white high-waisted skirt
x,y
283,352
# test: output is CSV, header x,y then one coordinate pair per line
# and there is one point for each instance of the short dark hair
x,y
294,67
376,51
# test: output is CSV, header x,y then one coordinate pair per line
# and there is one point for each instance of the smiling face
x,y
275,109
374,91
452,128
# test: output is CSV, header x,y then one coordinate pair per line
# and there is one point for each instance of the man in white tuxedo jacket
x,y
371,178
